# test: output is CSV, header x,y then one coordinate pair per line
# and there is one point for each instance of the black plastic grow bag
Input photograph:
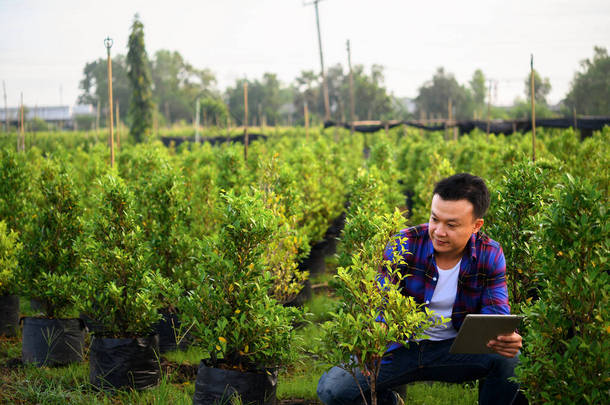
x,y
115,363
172,335
215,385
9,315
52,342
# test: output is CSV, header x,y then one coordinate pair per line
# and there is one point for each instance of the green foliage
x,y
177,84
567,352
232,317
117,287
141,104
365,192
434,95
542,87
49,264
289,243
355,338
513,221
439,168
9,251
14,189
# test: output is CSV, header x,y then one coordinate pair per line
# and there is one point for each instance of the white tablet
x,y
478,329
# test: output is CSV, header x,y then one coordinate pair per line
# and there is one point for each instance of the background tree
x,y
434,96
478,87
265,97
94,85
141,103
177,84
590,88
542,88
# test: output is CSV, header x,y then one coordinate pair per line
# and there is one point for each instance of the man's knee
x,y
336,387
504,366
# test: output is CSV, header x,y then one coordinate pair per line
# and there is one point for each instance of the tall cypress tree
x,y
138,70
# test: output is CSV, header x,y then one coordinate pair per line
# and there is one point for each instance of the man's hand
x,y
506,345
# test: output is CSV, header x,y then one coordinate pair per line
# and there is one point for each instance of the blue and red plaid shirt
x,y
481,283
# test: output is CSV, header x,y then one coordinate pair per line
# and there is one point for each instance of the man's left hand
x,y
506,345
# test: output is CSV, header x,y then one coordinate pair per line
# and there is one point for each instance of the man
x,y
454,270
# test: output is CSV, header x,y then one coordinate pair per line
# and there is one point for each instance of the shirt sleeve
x,y
495,293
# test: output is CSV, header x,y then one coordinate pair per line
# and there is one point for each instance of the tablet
x,y
478,329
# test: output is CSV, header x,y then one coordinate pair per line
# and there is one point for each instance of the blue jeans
x,y
426,361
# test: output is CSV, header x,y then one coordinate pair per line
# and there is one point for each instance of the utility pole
x,y
352,108
324,82
108,43
532,85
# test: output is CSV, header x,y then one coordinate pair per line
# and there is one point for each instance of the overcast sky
x,y
44,45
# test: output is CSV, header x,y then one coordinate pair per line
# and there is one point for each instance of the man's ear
x,y
478,223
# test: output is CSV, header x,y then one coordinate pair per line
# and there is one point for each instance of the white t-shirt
x,y
442,302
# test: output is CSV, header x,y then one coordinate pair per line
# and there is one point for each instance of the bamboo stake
x,y
306,113
533,109
246,120
197,138
108,43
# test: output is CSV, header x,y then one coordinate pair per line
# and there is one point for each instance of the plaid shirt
x,y
481,282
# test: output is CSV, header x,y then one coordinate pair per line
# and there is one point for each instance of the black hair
x,y
465,186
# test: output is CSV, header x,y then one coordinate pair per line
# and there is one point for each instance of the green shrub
x,y
49,264
355,339
230,313
9,250
518,200
117,287
566,348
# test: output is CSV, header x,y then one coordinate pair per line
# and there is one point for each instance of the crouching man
x,y
455,270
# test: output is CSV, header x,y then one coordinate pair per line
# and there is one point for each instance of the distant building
x,y
65,115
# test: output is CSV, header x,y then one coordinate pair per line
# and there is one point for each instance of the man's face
x,y
451,224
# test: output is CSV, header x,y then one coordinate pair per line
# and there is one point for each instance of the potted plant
x,y
165,220
119,290
373,312
48,269
288,246
245,333
9,303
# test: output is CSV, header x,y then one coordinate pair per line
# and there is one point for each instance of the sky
x,y
44,44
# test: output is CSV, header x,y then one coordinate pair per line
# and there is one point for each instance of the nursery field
x,y
189,264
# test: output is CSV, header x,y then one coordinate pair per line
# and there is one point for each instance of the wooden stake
x,y
246,120
108,43
306,112
197,138
532,84
228,124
